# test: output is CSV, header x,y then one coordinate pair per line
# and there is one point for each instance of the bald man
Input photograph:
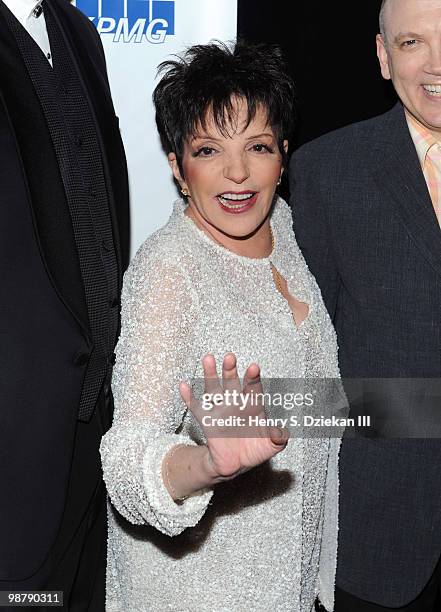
x,y
367,209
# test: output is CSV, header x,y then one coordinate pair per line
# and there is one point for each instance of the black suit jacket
x,y
366,225
44,328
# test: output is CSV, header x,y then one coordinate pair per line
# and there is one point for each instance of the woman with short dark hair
x,y
253,515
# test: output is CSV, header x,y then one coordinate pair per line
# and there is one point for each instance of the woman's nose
x,y
237,170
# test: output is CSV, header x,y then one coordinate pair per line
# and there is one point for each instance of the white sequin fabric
x,y
266,540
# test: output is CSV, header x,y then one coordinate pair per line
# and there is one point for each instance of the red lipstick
x,y
237,207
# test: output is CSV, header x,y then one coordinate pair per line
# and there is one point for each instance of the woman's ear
x,y
285,146
173,163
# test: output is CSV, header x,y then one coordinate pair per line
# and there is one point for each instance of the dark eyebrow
x,y
260,135
209,137
204,137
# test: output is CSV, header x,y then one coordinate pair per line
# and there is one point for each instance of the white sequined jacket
x,y
266,540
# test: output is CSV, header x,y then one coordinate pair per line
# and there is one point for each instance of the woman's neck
x,y
256,246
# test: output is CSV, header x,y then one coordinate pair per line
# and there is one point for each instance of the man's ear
x,y
383,57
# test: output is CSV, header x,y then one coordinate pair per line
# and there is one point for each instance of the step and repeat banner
x,y
137,35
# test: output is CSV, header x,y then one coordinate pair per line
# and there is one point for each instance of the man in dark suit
x,y
366,203
63,249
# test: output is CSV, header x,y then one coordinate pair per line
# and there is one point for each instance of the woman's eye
x,y
262,148
204,152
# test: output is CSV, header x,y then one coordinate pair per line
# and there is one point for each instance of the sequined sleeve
x,y
156,351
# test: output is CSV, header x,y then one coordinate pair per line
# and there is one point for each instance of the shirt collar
x,y
422,138
22,9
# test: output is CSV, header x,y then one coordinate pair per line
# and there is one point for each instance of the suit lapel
x,y
398,170
21,114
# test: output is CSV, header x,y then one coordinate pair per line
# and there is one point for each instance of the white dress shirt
x,y
36,26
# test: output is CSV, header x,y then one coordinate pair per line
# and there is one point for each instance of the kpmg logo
x,y
131,20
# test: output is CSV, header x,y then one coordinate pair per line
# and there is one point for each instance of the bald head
x,y
409,52
382,19
393,9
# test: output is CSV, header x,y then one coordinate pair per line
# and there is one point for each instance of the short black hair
x,y
207,78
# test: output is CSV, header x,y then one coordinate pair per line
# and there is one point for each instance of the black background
x,y
331,53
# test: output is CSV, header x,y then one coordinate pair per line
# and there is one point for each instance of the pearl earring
x,y
185,193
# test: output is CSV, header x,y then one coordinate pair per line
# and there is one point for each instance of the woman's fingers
x,y
218,396
252,387
186,393
211,379
195,406
230,377
231,448
251,379
278,436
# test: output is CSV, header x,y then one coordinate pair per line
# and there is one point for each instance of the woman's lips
x,y
241,202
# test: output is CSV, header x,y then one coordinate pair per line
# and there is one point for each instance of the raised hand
x,y
233,449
